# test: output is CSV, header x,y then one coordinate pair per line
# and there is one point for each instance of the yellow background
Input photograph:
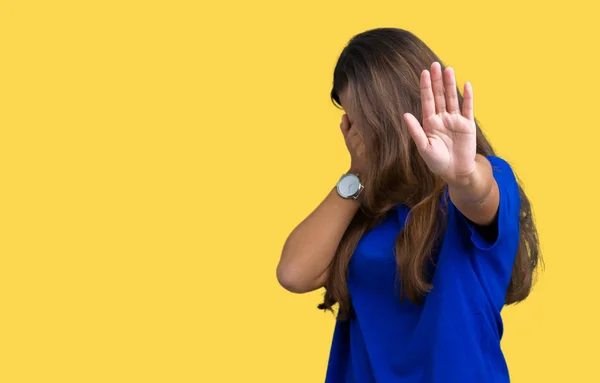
x,y
155,155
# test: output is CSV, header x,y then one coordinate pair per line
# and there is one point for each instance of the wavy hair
x,y
381,69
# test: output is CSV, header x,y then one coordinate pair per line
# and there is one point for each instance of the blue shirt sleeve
x,y
507,218
493,258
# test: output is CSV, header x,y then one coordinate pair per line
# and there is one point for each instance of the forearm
x,y
477,196
309,249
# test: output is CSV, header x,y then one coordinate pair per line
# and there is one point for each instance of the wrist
x,y
471,178
349,186
355,170
475,186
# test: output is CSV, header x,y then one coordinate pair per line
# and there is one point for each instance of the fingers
x,y
450,90
438,93
416,132
354,141
427,101
467,107
349,133
437,84
345,125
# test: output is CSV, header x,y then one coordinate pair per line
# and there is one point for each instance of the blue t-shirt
x,y
454,336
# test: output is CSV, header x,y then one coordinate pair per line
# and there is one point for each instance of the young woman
x,y
426,237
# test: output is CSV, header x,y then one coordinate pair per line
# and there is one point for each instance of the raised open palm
x,y
447,140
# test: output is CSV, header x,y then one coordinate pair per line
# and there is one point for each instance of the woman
x,y
425,238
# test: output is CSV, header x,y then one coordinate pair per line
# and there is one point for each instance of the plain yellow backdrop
x,y
154,155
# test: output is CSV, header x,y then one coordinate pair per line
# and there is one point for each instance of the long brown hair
x,y
381,69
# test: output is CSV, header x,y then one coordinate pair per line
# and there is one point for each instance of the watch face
x,y
348,185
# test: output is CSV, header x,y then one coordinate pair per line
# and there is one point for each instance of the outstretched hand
x,y
447,140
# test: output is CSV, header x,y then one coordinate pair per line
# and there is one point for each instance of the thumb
x,y
416,132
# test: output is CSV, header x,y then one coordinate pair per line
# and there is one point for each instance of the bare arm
x,y
447,141
309,249
477,196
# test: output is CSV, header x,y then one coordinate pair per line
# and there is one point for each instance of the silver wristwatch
x,y
349,186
